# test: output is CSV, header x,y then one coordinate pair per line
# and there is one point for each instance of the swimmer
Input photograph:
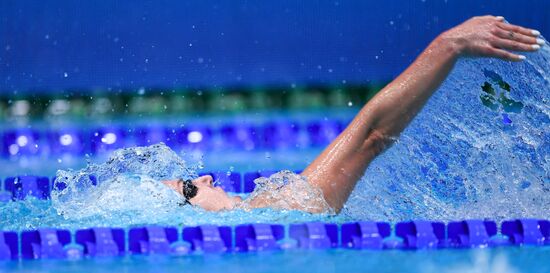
x,y
336,171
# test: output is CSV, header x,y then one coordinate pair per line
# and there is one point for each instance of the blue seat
x,y
23,186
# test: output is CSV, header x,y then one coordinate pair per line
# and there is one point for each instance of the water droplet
x,y
350,104
65,75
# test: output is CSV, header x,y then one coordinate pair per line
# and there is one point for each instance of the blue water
x,y
479,149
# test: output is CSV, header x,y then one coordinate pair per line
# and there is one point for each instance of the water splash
x,y
286,190
127,191
479,149
127,181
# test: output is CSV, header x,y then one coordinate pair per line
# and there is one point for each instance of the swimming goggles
x,y
188,190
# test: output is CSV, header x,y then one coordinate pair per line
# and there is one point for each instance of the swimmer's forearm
x,y
393,108
343,162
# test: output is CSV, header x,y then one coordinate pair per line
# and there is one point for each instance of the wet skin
x,y
208,196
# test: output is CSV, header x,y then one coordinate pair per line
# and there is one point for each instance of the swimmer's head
x,y
202,193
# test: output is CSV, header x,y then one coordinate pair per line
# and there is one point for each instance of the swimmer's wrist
x,y
448,44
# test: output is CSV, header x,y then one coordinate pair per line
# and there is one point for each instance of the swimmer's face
x,y
208,197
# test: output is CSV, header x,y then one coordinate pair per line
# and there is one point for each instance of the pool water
x,y
479,149
500,260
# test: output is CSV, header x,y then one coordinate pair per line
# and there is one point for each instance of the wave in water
x,y
478,149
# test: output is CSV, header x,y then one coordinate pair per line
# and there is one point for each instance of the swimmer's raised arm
x,y
384,117
343,162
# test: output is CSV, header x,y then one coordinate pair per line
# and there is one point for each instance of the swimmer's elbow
x,y
377,142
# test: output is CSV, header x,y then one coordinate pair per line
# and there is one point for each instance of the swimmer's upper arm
x,y
339,167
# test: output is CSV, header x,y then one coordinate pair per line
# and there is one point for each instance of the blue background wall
x,y
52,45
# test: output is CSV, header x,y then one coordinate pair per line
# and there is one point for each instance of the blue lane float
x,y
98,242
473,233
281,135
323,132
107,139
527,231
365,235
209,238
44,243
9,245
23,186
25,142
314,235
241,136
152,240
191,137
50,243
78,142
146,136
258,237
421,234
67,141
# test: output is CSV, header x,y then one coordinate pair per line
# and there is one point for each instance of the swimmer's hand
x,y
490,36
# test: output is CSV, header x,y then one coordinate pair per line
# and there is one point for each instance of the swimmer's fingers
x,y
502,54
513,45
517,37
518,29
